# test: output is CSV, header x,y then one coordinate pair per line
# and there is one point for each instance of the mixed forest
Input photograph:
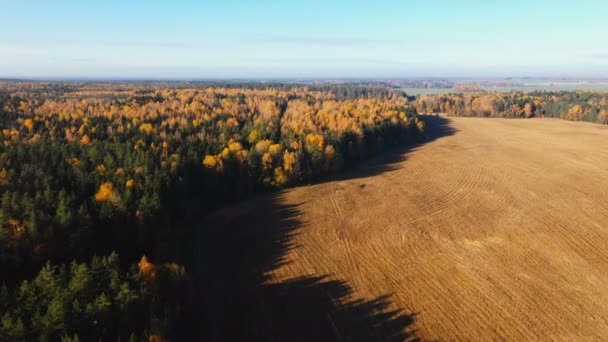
x,y
101,182
569,105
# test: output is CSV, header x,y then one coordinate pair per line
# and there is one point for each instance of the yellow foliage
x,y
266,161
73,161
280,177
213,162
528,110
315,141
29,124
120,171
101,169
289,160
242,155
210,161
234,146
69,135
275,149
268,109
85,140
35,138
575,112
146,128
232,122
225,153
130,183
15,135
106,193
147,269
254,137
295,145
262,146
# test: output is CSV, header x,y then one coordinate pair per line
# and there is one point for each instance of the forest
x,y
569,105
100,184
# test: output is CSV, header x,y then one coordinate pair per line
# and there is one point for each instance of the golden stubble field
x,y
492,229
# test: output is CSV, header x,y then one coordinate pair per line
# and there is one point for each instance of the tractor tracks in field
x,y
343,229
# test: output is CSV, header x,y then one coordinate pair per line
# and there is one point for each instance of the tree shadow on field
x,y
237,248
238,302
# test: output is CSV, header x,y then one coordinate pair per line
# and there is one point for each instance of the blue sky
x,y
270,39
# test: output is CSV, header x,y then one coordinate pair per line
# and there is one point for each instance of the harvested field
x,y
491,229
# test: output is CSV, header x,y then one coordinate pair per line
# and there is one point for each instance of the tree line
x,y
591,106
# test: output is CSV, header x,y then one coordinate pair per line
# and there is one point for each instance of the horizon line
x,y
294,78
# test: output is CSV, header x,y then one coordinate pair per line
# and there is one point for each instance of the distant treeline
x,y
569,105
91,168
340,90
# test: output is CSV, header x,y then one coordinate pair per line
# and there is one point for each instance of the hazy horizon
x,y
188,40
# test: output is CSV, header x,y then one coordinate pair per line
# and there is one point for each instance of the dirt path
x,y
498,231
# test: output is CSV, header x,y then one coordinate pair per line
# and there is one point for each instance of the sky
x,y
302,39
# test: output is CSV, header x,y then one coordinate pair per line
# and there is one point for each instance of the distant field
x,y
425,91
552,87
525,88
496,229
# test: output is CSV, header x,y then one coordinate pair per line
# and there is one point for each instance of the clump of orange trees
x,y
95,167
